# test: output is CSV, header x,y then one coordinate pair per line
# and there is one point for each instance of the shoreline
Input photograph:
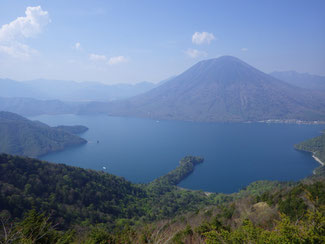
x,y
319,161
292,121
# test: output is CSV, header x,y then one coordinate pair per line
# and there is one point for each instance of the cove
x,y
235,154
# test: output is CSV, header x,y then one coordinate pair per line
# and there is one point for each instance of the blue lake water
x,y
235,154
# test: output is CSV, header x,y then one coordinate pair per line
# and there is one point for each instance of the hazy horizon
x,y
146,81
131,42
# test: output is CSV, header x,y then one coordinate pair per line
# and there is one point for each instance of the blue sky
x,y
134,41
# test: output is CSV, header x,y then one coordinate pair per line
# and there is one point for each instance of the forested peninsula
x,y
316,146
21,136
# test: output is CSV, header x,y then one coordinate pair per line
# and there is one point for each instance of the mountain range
x,y
70,91
303,80
214,90
31,107
221,89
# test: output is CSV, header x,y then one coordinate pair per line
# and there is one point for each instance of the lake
x,y
235,154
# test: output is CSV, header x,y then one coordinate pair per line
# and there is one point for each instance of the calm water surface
x,y
235,154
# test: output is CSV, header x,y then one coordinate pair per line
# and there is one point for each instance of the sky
x,y
133,41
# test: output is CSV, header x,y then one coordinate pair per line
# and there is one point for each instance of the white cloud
x,y
111,61
117,60
97,57
77,46
13,34
194,53
244,49
27,26
18,50
202,38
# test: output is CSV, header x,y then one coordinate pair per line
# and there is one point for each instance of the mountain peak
x,y
224,89
225,69
225,63
222,59
226,58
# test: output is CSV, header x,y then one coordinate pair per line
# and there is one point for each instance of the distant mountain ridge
x,y
31,107
303,80
21,136
222,89
71,91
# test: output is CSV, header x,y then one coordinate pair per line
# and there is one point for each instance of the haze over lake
x,y
235,154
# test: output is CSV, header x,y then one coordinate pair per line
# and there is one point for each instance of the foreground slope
x,y
78,199
222,89
71,193
76,195
21,136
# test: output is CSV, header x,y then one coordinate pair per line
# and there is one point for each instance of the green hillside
x,y
78,195
55,203
315,145
21,136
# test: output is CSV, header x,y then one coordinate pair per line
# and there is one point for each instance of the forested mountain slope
x,y
76,195
21,136
95,207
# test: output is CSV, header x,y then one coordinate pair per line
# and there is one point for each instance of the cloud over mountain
x,y
202,38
